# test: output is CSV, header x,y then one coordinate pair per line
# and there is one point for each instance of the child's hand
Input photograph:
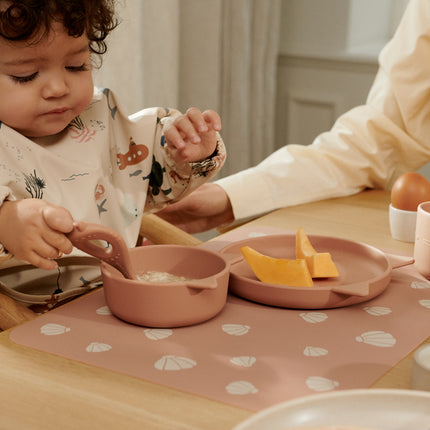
x,y
34,230
192,136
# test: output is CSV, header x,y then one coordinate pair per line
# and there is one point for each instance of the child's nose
x,y
55,86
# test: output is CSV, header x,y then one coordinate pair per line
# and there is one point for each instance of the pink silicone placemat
x,y
250,356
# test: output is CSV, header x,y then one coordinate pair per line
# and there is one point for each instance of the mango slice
x,y
320,264
304,247
294,273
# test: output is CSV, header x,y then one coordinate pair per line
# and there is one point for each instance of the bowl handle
x,y
360,289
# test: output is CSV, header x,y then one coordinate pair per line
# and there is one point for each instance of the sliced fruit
x,y
320,264
294,273
304,247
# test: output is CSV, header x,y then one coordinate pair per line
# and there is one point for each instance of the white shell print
x,y
158,333
243,361
377,311
241,388
425,303
318,383
98,347
314,317
314,351
104,310
52,329
236,329
377,338
420,285
172,362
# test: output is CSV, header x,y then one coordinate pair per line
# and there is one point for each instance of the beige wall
x,y
328,60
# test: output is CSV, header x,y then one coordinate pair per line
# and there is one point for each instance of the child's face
x,y
43,86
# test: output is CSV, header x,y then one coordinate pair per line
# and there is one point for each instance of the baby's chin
x,y
42,131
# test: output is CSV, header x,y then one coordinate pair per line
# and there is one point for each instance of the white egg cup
x,y
402,224
420,377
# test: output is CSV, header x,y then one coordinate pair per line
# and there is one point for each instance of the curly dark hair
x,y
25,20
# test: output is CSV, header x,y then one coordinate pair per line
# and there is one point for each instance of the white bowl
x,y
402,224
420,377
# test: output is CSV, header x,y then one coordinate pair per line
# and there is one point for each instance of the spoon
x,y
85,236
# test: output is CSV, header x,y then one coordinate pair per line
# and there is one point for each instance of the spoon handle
x,y
103,243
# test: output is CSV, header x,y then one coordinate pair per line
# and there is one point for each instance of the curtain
x,y
142,61
122,66
219,54
250,44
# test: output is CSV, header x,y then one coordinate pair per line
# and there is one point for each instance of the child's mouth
x,y
57,111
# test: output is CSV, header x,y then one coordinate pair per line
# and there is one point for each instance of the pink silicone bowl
x,y
172,304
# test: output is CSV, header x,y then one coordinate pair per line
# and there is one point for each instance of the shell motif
x,y
241,388
173,362
377,338
243,361
425,303
318,383
52,329
158,333
420,285
104,310
98,347
377,311
236,329
314,351
314,317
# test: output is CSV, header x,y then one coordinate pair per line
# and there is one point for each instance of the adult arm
x,y
368,147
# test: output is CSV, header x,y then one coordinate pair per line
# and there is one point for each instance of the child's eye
x,y
82,68
24,79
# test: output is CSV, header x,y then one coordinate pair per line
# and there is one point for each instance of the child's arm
x,y
34,230
192,136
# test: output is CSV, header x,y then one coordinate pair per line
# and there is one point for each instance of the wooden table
x,y
39,390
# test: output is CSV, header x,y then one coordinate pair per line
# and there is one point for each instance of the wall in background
x,y
328,60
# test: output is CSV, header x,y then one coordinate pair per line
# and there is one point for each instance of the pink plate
x,y
364,273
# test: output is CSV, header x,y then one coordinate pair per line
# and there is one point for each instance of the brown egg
x,y
409,191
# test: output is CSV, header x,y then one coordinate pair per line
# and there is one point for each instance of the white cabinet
x,y
313,92
328,60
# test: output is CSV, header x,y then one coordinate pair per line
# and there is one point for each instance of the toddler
x,y
68,153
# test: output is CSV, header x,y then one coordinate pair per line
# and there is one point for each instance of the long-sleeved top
x,y
105,168
368,147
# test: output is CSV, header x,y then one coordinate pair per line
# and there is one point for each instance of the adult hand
x,y
35,231
205,208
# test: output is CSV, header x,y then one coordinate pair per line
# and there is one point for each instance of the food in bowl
x,y
160,277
